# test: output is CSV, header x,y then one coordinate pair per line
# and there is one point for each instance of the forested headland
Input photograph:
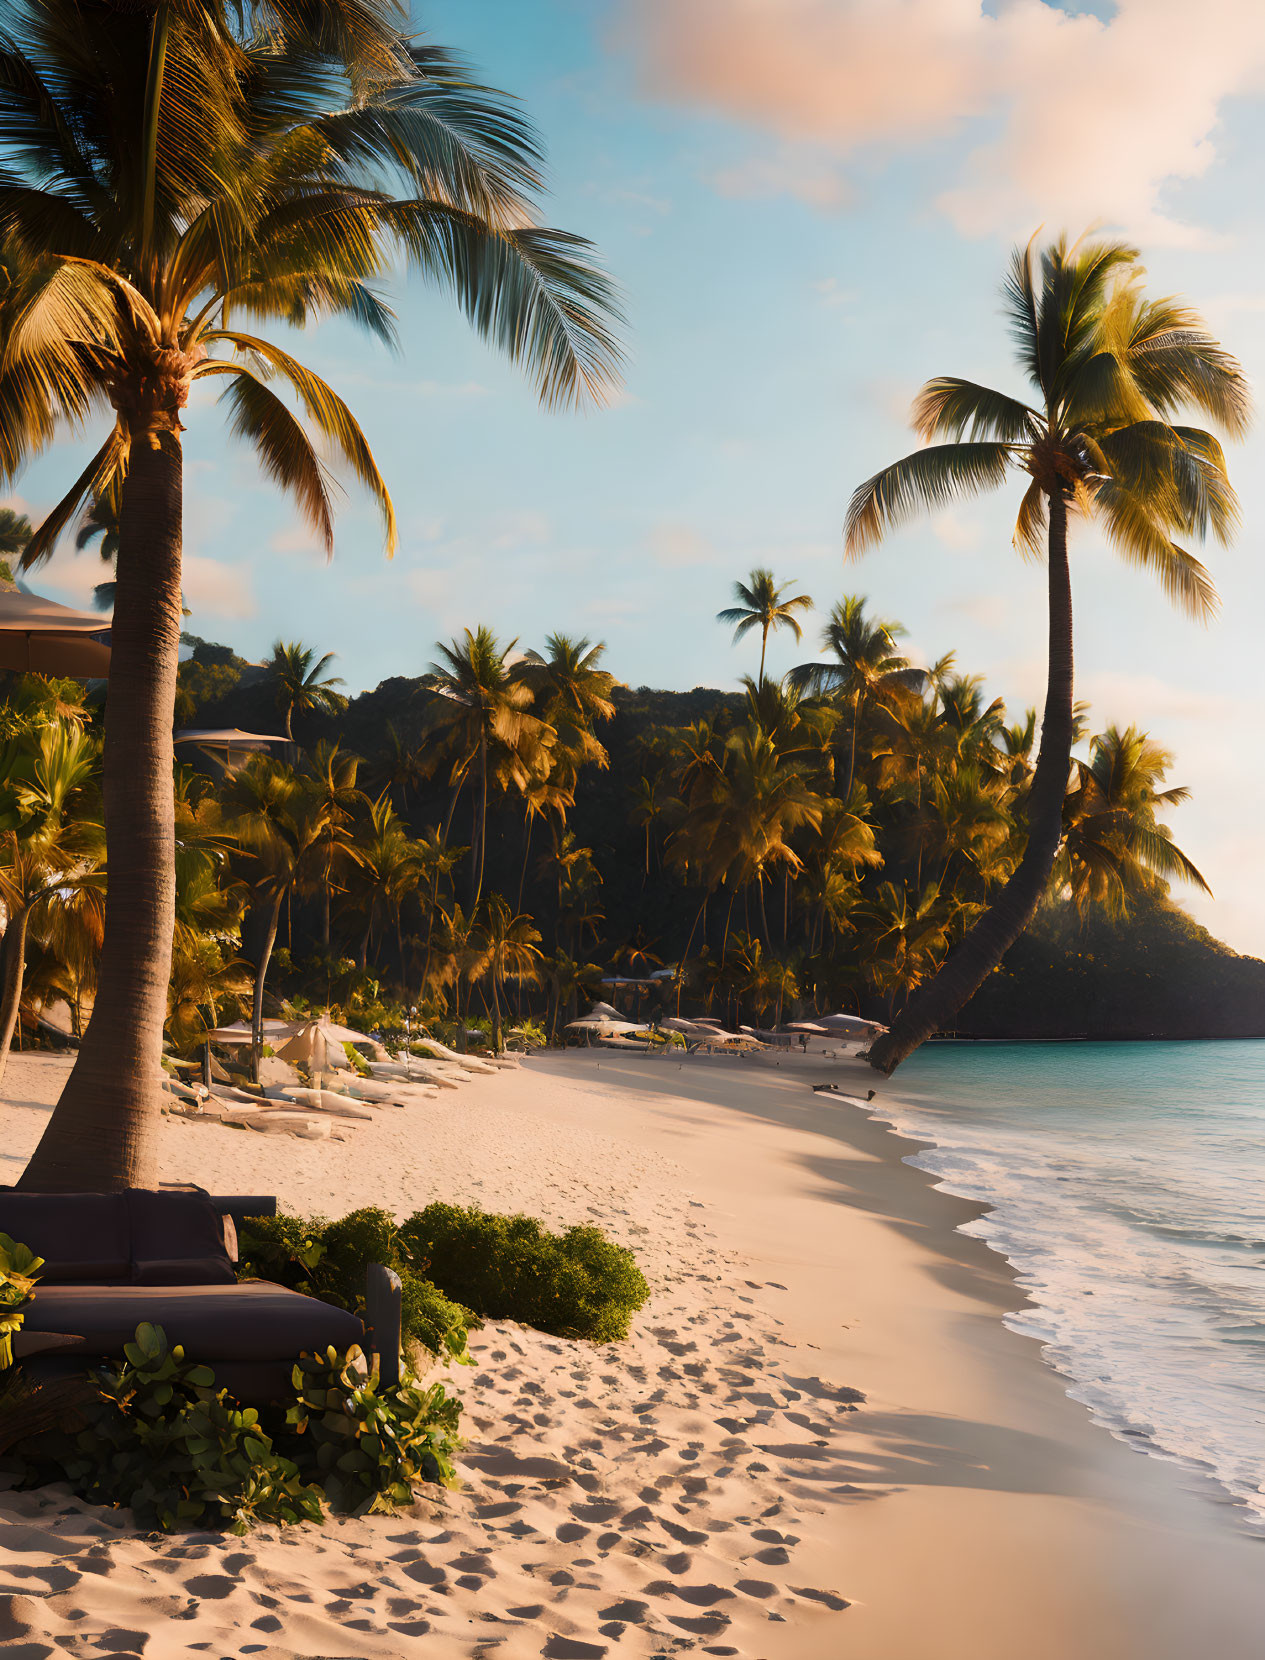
x,y
493,837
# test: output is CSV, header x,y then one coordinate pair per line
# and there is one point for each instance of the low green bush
x,y
456,1265
574,1284
162,1440
328,1260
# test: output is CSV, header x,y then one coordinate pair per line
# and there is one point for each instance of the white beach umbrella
x,y
240,1032
43,637
845,1023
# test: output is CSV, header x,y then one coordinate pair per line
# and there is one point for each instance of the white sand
x,y
707,1486
645,1497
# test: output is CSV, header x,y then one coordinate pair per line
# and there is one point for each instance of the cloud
x,y
215,589
953,531
211,588
676,545
1074,118
1143,699
987,611
788,174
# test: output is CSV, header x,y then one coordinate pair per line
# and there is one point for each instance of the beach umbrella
x,y
240,1032
809,1026
228,739
314,1049
39,636
850,1023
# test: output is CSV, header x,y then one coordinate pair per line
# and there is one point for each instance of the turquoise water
x,y
1128,1186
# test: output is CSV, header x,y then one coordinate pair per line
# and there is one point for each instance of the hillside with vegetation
x,y
489,841
492,838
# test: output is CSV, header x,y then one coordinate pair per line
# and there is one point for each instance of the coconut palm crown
x,y
1112,372
180,178
759,602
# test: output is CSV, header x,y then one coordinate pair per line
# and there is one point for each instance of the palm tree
x,y
279,821
101,520
483,710
1112,370
1113,841
758,603
50,843
177,176
509,949
867,666
386,869
15,533
333,774
300,683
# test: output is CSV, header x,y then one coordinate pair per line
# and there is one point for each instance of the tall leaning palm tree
x,y
759,602
182,177
1112,371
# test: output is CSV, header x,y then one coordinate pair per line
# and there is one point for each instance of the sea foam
x,y
1127,1186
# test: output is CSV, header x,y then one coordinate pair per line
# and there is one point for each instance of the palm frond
x,y
285,451
951,408
535,293
1030,526
927,479
1137,536
98,478
328,413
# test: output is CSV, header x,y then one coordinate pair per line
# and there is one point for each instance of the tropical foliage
x,y
826,840
184,187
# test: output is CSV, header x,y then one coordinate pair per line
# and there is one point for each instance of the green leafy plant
x,y
19,1274
162,1440
575,1284
527,1034
367,1444
357,1061
328,1260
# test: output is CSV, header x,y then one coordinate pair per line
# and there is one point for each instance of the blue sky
x,y
808,214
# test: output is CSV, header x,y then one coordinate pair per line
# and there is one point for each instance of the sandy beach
x,y
820,1439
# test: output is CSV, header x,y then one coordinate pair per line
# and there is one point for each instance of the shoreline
x,y
713,1484
1026,1526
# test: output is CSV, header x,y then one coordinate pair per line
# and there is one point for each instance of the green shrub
x,y
19,1272
328,1260
367,1445
575,1284
163,1441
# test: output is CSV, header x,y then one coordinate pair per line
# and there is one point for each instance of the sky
x,y
808,205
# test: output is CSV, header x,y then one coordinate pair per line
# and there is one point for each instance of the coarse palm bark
x,y
935,1004
103,1133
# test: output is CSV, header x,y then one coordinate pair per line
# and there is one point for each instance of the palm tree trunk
x,y
764,646
935,1004
522,875
103,1133
483,820
261,974
12,972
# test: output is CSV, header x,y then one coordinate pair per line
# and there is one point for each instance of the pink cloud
x,y
1080,119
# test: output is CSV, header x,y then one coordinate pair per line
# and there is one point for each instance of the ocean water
x,y
1128,1186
